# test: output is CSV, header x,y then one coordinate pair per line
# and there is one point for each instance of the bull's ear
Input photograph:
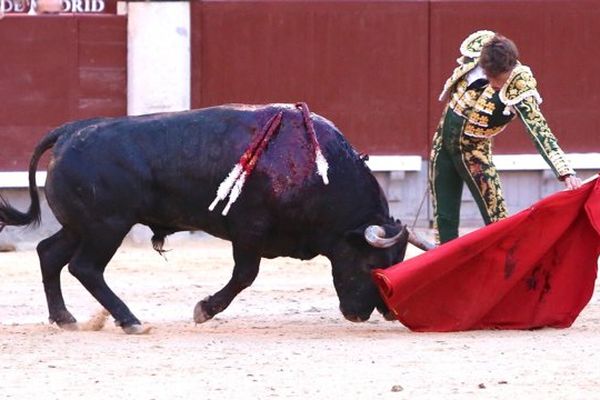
x,y
393,229
356,237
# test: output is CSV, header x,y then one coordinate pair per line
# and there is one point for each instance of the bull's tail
x,y
10,215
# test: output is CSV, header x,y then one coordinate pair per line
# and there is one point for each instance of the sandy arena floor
x,y
282,338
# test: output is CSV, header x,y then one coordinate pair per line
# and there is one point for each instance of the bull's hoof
x,y
137,329
356,318
62,318
200,313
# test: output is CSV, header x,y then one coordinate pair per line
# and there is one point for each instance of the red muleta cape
x,y
534,269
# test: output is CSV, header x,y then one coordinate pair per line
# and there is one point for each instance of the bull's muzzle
x,y
355,317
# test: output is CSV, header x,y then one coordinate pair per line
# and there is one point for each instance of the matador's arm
x,y
520,93
545,142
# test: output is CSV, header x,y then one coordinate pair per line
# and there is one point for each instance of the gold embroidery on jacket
x,y
476,131
483,104
456,78
476,107
477,119
544,140
520,85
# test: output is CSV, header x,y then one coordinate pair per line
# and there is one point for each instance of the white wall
x,y
158,58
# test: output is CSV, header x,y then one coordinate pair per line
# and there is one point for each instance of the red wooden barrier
x,y
55,69
362,64
376,68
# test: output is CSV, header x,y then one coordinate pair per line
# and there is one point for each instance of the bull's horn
x,y
375,236
417,240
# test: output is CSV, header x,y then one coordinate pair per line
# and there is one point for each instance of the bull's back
x,y
125,164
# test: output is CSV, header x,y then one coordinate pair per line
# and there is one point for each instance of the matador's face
x,y
496,82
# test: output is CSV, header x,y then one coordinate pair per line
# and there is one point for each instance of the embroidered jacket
x,y
488,112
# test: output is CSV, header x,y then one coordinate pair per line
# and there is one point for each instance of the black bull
x,y
163,171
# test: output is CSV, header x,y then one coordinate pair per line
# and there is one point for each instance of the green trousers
x,y
456,159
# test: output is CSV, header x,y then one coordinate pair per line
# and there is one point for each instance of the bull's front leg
x,y
244,273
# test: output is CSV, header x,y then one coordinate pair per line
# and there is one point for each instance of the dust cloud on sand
x,y
284,337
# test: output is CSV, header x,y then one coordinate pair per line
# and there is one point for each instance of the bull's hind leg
x,y
244,273
54,253
88,265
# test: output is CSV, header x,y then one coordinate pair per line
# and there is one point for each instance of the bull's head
x,y
362,250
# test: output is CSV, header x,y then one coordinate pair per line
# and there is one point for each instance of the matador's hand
x,y
572,182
